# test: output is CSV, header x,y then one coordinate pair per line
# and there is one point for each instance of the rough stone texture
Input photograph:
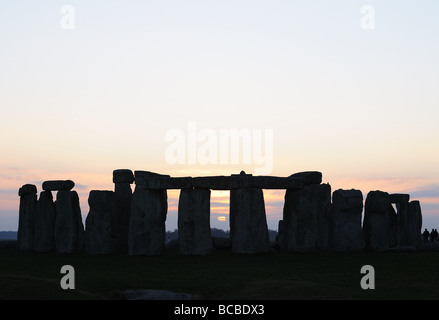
x,y
214,183
98,231
346,232
123,176
27,189
242,181
309,177
409,221
304,212
267,182
194,222
26,218
69,229
411,224
380,222
55,185
151,180
399,197
120,220
324,217
248,223
179,183
147,229
45,223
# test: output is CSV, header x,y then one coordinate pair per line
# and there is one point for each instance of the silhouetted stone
x,y
324,217
98,228
213,183
380,222
55,185
309,177
305,218
410,226
267,182
147,229
120,219
248,223
151,180
194,222
346,232
399,197
69,229
45,223
27,189
123,176
179,183
26,217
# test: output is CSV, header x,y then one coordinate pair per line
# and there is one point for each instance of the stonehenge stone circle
x,y
123,222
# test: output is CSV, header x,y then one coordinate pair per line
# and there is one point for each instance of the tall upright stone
x,y
45,223
69,229
346,232
26,218
194,222
98,228
380,222
409,219
248,222
147,230
122,178
305,222
414,223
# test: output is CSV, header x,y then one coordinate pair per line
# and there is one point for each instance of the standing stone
x,y
147,230
194,222
45,223
304,218
98,231
26,218
248,222
380,222
122,178
408,228
346,232
69,229
324,217
414,223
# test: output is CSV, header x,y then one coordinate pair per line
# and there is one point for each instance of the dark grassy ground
x,y
222,275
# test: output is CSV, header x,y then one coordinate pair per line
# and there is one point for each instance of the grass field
x,y
222,275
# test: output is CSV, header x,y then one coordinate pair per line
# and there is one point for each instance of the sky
x,y
345,87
